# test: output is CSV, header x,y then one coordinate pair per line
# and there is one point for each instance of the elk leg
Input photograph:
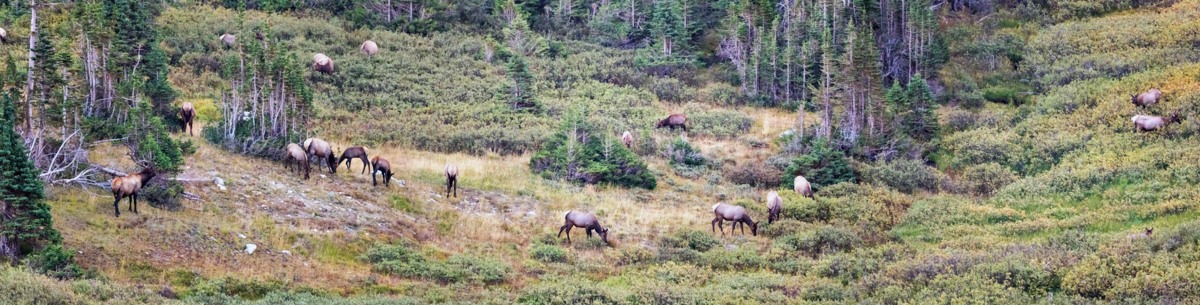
x,y
365,162
589,232
135,209
373,179
117,204
743,225
387,180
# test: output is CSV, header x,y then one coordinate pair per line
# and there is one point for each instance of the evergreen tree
x,y
27,225
922,120
580,152
822,166
520,86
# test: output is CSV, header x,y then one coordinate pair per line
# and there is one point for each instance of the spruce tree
x,y
922,119
27,225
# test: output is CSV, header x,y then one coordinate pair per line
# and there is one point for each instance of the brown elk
x,y
293,152
187,113
737,214
451,179
369,47
227,39
322,63
1150,123
3,36
674,120
774,206
583,220
384,168
128,186
357,152
801,186
318,148
627,139
1147,99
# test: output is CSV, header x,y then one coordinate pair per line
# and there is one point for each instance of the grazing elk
x,y
318,148
187,113
384,168
3,36
737,214
1147,99
1150,123
293,152
774,206
674,120
128,186
357,152
322,63
451,179
227,39
801,186
1140,235
369,47
583,220
627,139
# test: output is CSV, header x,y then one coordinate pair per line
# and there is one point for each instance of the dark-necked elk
x,y
227,39
774,206
293,152
322,63
357,152
737,214
1147,99
383,167
802,187
318,148
583,220
451,179
1140,235
187,113
627,139
369,47
127,187
674,120
1151,123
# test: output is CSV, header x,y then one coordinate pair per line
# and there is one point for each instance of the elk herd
x,y
320,151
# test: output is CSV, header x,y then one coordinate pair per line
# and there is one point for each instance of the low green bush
x,y
824,240
686,160
54,261
985,179
691,239
548,253
905,175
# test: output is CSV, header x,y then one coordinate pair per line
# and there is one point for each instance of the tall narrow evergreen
x,y
26,224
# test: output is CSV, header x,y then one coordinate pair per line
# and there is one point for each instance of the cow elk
x,y
357,152
318,148
728,212
369,47
322,63
128,186
627,139
774,206
293,153
1147,99
227,39
582,220
381,166
802,187
187,113
451,179
1145,123
673,121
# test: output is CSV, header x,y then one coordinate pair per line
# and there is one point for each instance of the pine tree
x,y
922,120
27,225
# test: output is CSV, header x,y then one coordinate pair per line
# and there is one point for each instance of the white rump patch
x,y
715,207
568,213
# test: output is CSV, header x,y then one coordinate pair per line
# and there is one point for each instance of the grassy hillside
x,y
1036,201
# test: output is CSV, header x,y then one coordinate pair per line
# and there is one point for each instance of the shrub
x,y
548,253
633,255
756,174
162,193
824,291
691,239
1022,274
479,269
567,291
581,153
685,159
718,122
822,166
1005,95
828,239
983,145
740,259
54,261
986,179
400,260
905,175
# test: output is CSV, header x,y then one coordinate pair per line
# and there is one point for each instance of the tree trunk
x,y
29,72
8,246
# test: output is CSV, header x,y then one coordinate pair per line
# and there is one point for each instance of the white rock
x,y
250,248
219,182
243,236
286,252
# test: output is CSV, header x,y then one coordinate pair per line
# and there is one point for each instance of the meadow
x,y
1034,192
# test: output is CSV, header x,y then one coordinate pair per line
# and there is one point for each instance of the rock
x,y
286,252
219,182
250,248
400,183
242,236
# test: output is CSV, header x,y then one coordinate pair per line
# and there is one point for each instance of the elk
x,y
1140,235
774,206
318,148
1145,123
227,39
322,63
369,47
384,168
357,152
128,186
3,36
583,220
293,152
187,113
451,179
1147,99
801,186
627,139
674,120
737,214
